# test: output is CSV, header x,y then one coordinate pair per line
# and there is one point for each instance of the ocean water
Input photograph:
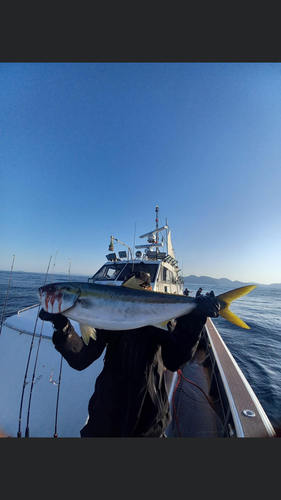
x,y
257,351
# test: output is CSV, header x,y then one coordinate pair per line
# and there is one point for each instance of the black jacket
x,y
130,397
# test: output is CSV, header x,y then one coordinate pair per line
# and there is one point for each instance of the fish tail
x,y
225,300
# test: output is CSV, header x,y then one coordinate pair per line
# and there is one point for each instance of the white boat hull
x,y
75,390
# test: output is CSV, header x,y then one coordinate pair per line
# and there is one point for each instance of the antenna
x,y
134,246
167,236
156,220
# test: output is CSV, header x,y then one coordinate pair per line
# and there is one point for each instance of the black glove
x,y
59,321
207,306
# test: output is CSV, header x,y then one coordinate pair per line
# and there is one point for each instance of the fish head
x,y
58,297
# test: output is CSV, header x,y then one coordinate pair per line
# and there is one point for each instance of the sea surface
x,y
257,351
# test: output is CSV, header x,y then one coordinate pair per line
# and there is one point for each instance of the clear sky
x,y
88,150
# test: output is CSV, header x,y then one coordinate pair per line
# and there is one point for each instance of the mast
x,y
156,220
167,236
152,236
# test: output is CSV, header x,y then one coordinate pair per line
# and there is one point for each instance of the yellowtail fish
x,y
122,308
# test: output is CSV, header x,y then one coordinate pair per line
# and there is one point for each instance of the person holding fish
x,y
130,397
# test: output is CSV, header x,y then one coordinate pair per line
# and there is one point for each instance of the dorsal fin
x,y
132,283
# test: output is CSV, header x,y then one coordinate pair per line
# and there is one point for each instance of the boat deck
x,y
195,412
212,398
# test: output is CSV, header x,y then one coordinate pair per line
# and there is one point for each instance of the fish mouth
x,y
57,298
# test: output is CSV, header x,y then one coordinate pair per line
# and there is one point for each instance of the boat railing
x,y
248,415
27,308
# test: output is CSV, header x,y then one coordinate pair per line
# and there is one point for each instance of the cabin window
x,y
167,275
147,268
107,272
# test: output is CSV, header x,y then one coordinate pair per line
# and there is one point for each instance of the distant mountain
x,y
207,280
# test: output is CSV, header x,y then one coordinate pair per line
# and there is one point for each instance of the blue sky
x,y
88,150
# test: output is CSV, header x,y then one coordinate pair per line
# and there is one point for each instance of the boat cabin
x,y
161,265
162,268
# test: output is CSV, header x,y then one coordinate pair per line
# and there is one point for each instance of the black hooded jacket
x,y
130,397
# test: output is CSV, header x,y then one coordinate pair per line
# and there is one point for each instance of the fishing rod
x,y
59,382
35,365
57,405
27,367
3,314
33,382
54,267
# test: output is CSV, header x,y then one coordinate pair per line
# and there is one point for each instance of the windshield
x,y
108,272
122,271
147,268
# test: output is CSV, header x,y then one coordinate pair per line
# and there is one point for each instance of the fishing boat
x,y
162,266
41,396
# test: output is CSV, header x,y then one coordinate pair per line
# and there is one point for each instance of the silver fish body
x,y
111,307
119,308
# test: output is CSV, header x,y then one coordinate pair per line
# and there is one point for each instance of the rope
x,y
193,383
181,376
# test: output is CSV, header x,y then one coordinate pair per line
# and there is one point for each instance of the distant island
x,y
207,280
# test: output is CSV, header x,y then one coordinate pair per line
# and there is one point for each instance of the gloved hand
x,y
59,321
207,305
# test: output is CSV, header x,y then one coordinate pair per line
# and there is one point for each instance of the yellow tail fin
x,y
225,300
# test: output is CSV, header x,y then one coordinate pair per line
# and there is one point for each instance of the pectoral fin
x,y
162,325
87,332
